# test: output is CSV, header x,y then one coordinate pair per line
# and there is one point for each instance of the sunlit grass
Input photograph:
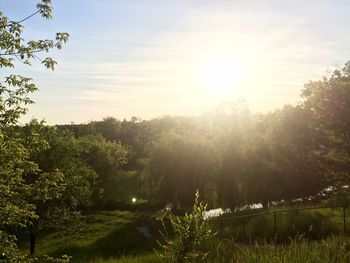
x,y
104,235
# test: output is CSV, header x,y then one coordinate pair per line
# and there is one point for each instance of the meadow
x,y
113,236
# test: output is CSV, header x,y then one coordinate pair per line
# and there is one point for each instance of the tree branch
x,y
24,19
19,53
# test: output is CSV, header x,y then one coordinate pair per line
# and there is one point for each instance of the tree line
x,y
236,157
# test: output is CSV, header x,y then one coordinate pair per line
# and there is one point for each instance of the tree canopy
x,y
23,184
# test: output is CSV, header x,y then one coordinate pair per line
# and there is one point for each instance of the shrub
x,y
190,232
9,253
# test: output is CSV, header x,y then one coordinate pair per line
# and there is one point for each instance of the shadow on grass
x,y
124,241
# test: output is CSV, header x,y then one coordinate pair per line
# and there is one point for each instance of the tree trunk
x,y
32,237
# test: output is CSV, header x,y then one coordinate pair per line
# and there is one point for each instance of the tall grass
x,y
335,249
148,258
312,224
332,250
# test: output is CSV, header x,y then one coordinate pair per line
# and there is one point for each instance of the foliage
x,y
190,232
14,162
107,158
175,158
329,102
234,157
15,89
16,210
8,249
63,181
9,253
60,155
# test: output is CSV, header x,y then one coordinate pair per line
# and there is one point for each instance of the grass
x,y
146,258
112,237
313,224
330,250
105,235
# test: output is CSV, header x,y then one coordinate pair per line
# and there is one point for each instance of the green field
x,y
112,236
104,235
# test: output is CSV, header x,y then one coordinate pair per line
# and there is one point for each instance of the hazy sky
x,y
148,58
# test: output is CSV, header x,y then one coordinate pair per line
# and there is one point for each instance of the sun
x,y
221,73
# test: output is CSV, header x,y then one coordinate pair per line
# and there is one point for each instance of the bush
x,y
8,249
9,253
190,232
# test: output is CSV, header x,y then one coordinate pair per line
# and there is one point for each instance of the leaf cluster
x,y
15,89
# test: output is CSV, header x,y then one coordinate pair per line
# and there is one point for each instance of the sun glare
x,y
222,73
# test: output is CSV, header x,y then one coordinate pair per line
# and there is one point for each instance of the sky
x,y
182,57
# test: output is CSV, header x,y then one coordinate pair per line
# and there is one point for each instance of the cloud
x,y
137,69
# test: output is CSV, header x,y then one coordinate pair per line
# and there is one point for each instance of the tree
x,y
289,171
15,209
107,158
329,102
63,182
179,164
109,127
231,128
